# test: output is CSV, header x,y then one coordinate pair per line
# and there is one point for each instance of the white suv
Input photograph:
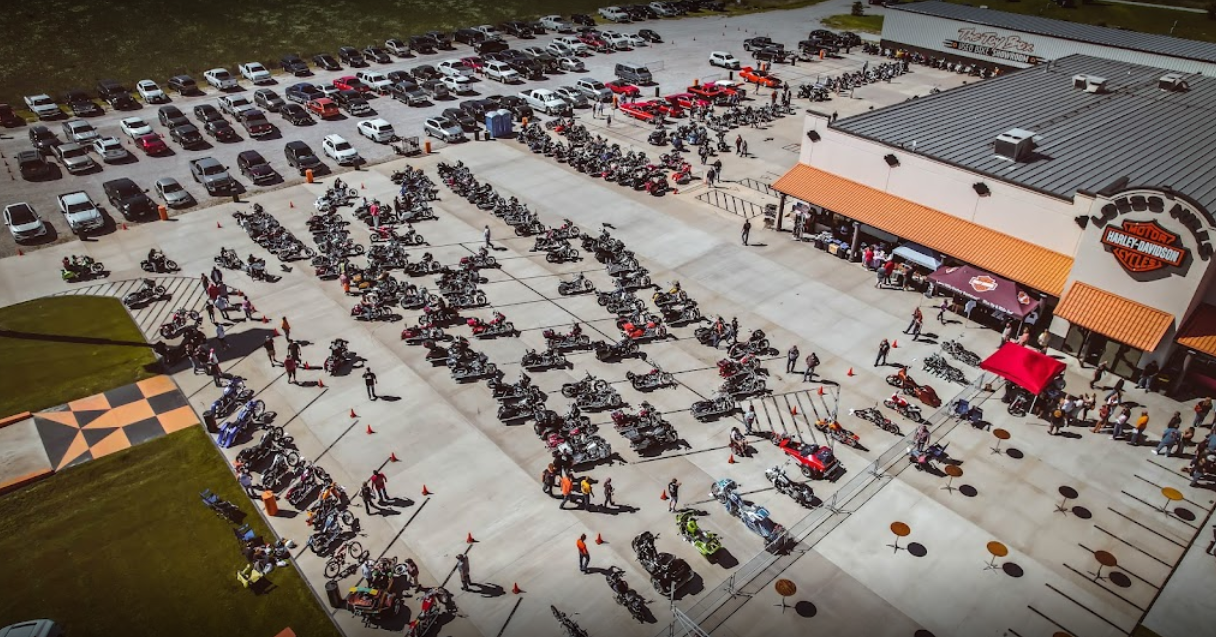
x,y
378,130
339,150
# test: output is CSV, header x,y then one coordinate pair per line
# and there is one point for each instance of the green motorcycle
x,y
707,543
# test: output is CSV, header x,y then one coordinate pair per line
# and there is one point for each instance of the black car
x,y
516,104
583,19
183,84
171,116
462,118
353,103
43,139
490,45
770,54
33,165
379,55
517,29
221,130
9,117
537,28
81,104
294,64
425,72
303,92
351,56
116,95
186,135
301,157
296,114
423,44
527,67
477,108
255,167
641,12
326,61
399,76
128,198
468,36
442,40
268,99
206,113
650,36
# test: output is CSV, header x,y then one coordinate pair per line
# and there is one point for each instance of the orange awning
x,y
1113,316
1199,332
996,252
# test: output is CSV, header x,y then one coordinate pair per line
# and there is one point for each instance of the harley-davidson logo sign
x,y
983,283
1144,246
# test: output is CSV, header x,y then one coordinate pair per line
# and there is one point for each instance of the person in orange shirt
x,y
567,489
584,557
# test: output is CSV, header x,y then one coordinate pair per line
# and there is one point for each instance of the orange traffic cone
x,y
276,332
894,344
731,460
515,589
321,383
392,457
124,226
20,253
794,410
599,539
266,320
306,365
362,186
424,491
850,372
217,224
353,414
469,540
370,431
821,390
663,495
291,204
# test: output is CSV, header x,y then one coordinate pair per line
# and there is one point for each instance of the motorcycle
x,y
905,408
641,332
148,293
651,380
587,384
339,356
253,412
624,348
875,416
477,368
668,573
838,432
599,400
706,542
420,334
569,626
523,389
802,493
719,405
429,611
547,359
578,285
562,254
418,299
673,296
366,311
515,412
498,326
159,264
235,393
564,342
584,450
923,459
81,269
180,322
755,518
310,480
479,261
756,344
743,384
624,595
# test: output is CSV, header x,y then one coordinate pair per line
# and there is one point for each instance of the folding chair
x,y
976,417
245,535
962,409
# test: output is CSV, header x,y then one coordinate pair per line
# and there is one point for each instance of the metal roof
x,y
1083,141
1117,38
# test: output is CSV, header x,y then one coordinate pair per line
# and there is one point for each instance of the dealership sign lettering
x,y
1157,245
994,45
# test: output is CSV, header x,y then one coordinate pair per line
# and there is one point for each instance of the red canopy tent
x,y
1023,367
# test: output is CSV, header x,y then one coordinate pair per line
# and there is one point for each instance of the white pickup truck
x,y
221,79
615,14
545,101
43,106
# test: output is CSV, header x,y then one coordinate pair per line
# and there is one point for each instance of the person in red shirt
x,y
584,557
378,482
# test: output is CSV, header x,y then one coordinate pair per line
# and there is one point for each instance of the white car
x,y
636,40
375,79
488,30
80,212
171,191
501,71
220,78
573,45
724,59
545,101
110,149
151,92
663,9
458,83
80,131
23,222
556,23
571,64
134,127
615,14
339,150
454,68
255,72
574,97
560,49
618,41
378,130
443,128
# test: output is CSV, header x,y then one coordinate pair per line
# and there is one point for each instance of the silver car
x,y
444,129
574,97
23,222
172,193
571,64
110,149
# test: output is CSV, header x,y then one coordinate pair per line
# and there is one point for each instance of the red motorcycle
x,y
497,326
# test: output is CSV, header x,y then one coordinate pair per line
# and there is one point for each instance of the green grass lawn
x,y
855,23
1192,26
41,370
122,545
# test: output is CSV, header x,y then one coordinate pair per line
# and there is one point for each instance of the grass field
x,y
45,362
55,45
1184,24
122,545
855,23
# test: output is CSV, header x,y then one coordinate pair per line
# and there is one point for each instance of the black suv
x,y
115,94
183,84
81,104
582,19
296,114
255,167
207,113
43,139
294,64
469,36
351,56
301,157
128,198
423,44
518,107
442,40
33,165
492,45
186,136
171,116
326,61
517,29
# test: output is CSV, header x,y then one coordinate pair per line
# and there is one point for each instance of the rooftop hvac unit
x,y
1015,144
1079,82
1095,84
1172,82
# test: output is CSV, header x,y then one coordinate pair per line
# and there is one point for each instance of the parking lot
x,y
676,63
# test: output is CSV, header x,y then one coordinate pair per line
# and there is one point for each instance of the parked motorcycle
x,y
81,269
574,340
719,405
159,264
624,348
548,359
497,326
875,416
905,408
801,492
578,285
149,292
837,432
181,321
755,518
624,595
706,542
651,380
668,573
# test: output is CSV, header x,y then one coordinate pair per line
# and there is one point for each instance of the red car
x,y
816,462
668,109
638,111
324,107
152,144
759,78
620,87
707,92
477,64
593,40
727,88
686,100
351,83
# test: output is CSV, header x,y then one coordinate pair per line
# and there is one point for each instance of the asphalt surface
x,y
675,63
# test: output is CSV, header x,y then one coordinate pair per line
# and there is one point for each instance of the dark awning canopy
x,y
989,289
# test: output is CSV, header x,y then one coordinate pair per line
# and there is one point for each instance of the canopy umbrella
x,y
986,288
920,255
1023,367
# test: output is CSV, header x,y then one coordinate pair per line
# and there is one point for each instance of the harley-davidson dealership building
x,y
1085,188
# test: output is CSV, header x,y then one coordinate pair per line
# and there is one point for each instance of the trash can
x,y
331,591
268,500
209,421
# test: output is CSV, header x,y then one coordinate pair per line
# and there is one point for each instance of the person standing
x,y
916,316
584,556
673,494
221,304
192,355
585,488
1099,372
567,483
745,148
812,362
747,230
210,307
608,491
286,328
718,169
1147,376
922,437
217,277
1121,421
546,480
738,144
916,325
268,345
1044,341
365,493
246,481
205,281
220,334
369,379
884,348
379,483
247,307
791,359
1202,408
1007,333
1138,432
749,418
462,565
1172,437
486,235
